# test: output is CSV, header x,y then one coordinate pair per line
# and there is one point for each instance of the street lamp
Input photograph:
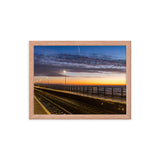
x,y
47,81
65,77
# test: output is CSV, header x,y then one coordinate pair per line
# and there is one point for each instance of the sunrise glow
x,y
84,65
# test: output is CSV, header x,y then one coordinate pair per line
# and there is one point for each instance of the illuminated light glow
x,y
116,80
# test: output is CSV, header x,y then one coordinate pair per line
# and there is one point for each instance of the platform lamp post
x,y
47,81
65,77
40,81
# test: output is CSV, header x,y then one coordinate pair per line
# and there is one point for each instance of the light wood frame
x,y
80,43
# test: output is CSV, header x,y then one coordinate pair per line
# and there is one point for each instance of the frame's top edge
x,y
32,43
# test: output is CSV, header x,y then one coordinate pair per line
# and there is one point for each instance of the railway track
x,y
58,102
51,106
68,107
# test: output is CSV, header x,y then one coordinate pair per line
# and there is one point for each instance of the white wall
x,y
21,21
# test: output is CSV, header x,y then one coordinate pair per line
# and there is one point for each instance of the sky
x,y
84,65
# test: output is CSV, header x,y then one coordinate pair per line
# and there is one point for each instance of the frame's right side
x,y
128,78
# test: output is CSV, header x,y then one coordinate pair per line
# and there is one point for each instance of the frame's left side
x,y
31,79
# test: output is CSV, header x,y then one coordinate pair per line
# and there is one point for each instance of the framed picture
x,y
80,79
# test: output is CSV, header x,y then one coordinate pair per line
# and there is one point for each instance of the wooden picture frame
x,y
80,43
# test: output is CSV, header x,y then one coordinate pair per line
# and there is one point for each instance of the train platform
x,y
38,107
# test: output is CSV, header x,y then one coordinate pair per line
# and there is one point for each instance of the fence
x,y
119,91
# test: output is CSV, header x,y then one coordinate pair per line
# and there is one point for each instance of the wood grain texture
x,y
80,43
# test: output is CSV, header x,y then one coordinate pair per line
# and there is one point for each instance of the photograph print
x,y
76,80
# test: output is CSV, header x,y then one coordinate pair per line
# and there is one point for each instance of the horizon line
x,y
82,84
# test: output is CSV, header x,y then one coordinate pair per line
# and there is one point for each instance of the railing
x,y
119,91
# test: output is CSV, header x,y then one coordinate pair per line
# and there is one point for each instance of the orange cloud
x,y
116,80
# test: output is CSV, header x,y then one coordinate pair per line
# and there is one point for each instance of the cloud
x,y
46,70
52,65
79,59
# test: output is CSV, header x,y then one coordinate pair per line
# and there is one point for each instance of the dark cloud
x,y
52,65
46,70
53,70
79,59
90,60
